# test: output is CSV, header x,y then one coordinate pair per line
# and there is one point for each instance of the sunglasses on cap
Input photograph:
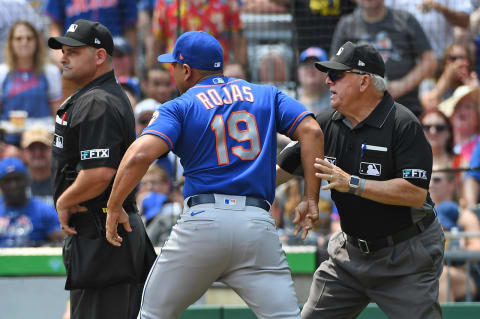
x,y
437,127
336,75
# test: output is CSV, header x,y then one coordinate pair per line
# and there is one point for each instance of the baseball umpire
x,y
224,131
93,129
378,163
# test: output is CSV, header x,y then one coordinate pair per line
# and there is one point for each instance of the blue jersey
x,y
29,224
116,15
224,131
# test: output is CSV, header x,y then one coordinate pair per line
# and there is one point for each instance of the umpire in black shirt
x,y
93,129
378,164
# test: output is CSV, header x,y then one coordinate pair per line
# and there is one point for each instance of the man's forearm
x,y
312,146
456,18
470,192
134,165
394,192
89,184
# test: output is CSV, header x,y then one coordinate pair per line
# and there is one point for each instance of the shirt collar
x,y
378,116
96,82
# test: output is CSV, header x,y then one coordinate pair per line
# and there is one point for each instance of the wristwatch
x,y
353,184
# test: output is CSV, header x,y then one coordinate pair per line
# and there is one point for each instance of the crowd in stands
x,y
431,50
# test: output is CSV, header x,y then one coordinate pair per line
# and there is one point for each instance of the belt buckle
x,y
363,246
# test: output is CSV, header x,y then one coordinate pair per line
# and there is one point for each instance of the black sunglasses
x,y
335,75
456,57
436,180
437,127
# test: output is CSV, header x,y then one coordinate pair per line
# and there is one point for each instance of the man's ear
x,y
366,81
101,56
187,71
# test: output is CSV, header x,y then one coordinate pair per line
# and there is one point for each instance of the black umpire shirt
x,y
389,143
93,128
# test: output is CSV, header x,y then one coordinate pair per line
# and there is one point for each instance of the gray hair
x,y
378,82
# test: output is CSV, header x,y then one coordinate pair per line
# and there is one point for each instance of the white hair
x,y
378,82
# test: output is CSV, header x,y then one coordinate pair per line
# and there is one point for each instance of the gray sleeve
x,y
339,37
419,40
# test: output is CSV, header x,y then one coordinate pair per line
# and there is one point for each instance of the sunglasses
x,y
437,180
456,57
335,75
437,127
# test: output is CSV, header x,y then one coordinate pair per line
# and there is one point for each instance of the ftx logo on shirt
x,y
96,153
414,173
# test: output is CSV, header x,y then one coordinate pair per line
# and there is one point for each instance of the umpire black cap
x,y
84,33
363,57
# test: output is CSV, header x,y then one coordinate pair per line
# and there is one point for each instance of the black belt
x,y
210,199
367,246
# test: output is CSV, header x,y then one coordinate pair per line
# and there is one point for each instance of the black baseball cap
x,y
84,33
363,57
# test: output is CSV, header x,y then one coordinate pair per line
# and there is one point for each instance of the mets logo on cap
x,y
72,27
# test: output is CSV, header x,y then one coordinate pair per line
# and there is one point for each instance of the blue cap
x,y
314,52
447,213
198,49
130,82
11,165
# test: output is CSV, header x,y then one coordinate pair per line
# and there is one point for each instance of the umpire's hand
x,y
115,216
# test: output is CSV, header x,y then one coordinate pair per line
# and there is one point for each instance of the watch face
x,y
354,181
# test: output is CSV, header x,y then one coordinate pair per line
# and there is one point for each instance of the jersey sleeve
x,y
166,123
412,153
100,133
289,113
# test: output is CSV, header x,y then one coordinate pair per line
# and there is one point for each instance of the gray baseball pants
x,y
238,246
402,280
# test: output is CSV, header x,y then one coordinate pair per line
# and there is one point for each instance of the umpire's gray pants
x,y
402,280
239,248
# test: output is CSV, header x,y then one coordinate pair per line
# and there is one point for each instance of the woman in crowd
x,y
457,68
27,82
439,133
463,109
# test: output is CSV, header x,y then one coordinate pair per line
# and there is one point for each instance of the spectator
x,y
315,21
24,221
438,18
37,153
157,85
12,11
439,133
143,115
401,41
454,277
27,82
157,205
235,69
220,18
463,109
313,92
132,89
457,68
123,58
146,39
471,184
119,17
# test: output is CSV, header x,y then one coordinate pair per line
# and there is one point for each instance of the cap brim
x,y
331,65
57,42
166,58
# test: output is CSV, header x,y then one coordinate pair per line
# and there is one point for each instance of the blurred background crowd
x,y
431,50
